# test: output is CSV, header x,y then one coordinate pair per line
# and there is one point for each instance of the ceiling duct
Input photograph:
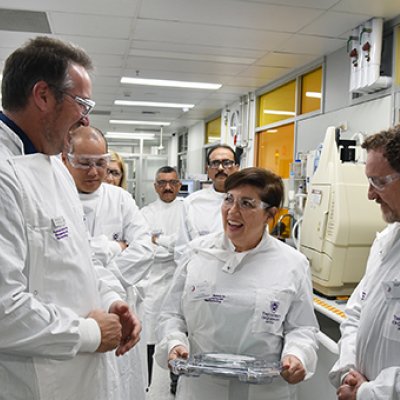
x,y
24,21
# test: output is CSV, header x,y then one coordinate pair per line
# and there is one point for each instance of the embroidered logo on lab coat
x,y
274,305
271,317
396,321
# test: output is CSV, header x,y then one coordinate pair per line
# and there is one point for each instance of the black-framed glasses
x,y
225,163
380,182
86,105
172,182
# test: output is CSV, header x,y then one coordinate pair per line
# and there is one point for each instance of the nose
x,y
220,167
234,207
372,195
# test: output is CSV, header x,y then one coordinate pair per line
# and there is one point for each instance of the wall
x,y
195,149
368,117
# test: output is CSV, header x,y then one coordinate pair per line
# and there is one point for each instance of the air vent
x,y
150,112
100,112
24,21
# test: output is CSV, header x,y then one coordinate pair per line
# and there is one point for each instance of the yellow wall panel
x,y
213,131
311,88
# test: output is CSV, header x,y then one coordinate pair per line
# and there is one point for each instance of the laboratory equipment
x,y
188,187
245,368
339,222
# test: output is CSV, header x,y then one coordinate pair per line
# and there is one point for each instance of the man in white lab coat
x,y
163,217
119,238
56,316
201,214
369,361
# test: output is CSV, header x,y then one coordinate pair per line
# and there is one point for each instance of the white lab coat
x,y
47,285
201,216
227,301
370,341
163,218
111,215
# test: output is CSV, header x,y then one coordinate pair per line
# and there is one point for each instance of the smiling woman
x,y
241,292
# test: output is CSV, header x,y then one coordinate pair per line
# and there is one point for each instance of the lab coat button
x,y
35,292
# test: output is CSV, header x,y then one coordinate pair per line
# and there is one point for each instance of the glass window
x,y
311,91
275,149
213,131
278,105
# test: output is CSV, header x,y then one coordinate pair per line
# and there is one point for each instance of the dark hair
x,y
222,146
166,169
89,131
40,59
269,184
389,143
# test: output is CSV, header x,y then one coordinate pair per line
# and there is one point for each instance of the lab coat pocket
x,y
270,311
391,329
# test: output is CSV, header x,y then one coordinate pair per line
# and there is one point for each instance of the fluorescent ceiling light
x,y
131,122
151,104
130,135
167,83
279,112
314,95
272,130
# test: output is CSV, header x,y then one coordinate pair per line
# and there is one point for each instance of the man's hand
x,y
178,352
131,326
351,383
293,370
110,328
122,244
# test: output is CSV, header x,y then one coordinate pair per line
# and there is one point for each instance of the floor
x,y
159,389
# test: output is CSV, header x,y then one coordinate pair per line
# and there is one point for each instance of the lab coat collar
x,y
387,239
224,250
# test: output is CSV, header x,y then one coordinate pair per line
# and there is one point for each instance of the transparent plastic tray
x,y
245,368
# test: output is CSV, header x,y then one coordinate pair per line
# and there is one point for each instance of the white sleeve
x,y
386,386
183,237
301,326
347,343
135,261
28,326
172,328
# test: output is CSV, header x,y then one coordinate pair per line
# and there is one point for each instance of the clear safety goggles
x,y
244,203
380,182
86,161
172,182
86,105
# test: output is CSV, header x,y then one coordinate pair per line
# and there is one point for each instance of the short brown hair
x,y
40,59
389,143
270,185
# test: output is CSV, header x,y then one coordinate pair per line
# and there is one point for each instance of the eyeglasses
x,y
244,203
86,161
380,182
225,163
114,172
172,182
86,105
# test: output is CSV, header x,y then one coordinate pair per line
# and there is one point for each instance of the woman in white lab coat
x,y
242,292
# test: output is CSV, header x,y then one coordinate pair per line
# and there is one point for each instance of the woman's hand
x,y
178,352
293,370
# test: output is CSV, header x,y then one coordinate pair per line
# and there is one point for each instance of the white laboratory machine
x,y
339,222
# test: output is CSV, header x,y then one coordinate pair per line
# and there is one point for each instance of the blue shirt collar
x,y
29,148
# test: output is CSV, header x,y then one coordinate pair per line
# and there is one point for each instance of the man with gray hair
x,y
369,362
163,217
56,316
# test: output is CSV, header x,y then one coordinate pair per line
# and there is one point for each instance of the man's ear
x,y
42,95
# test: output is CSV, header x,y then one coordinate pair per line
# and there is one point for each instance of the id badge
x,y
200,291
392,289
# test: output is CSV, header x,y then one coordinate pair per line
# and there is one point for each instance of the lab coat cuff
x,y
109,298
90,335
307,357
174,343
115,248
365,391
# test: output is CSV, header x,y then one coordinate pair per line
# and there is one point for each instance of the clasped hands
x,y
120,328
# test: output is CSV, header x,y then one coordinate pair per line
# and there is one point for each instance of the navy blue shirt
x,y
29,148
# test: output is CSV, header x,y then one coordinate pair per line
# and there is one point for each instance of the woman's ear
x,y
272,211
